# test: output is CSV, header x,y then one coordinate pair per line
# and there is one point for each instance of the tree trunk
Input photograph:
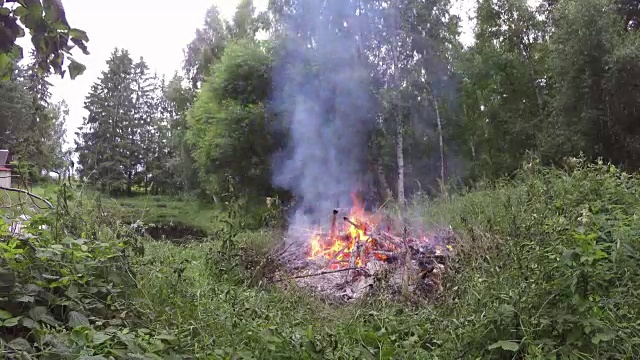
x,y
524,47
385,190
383,184
442,164
129,182
400,159
399,130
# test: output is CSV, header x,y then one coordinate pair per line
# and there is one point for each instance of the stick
x,y
317,274
385,253
28,193
352,260
335,256
352,223
390,238
332,235
407,261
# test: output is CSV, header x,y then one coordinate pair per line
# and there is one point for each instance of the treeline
x,y
125,139
32,127
554,80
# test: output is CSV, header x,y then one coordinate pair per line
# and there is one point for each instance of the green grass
x,y
220,315
545,267
163,210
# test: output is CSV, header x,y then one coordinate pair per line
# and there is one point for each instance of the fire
x,y
353,245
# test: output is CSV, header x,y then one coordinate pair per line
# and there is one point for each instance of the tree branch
x,y
28,193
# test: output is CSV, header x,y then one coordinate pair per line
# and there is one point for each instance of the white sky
x,y
157,30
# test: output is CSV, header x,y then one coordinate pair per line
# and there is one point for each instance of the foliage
x,y
228,126
51,35
124,140
501,99
546,266
543,269
69,296
32,128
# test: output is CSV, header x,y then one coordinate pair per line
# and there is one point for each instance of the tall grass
x,y
546,266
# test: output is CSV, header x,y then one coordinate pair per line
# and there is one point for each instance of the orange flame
x,y
342,247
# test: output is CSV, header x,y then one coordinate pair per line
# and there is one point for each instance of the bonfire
x,y
360,248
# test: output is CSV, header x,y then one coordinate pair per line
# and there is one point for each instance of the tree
x,y
178,99
502,83
104,138
228,126
30,127
206,48
585,33
141,135
52,37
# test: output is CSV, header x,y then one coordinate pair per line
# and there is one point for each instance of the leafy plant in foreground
x,y
66,296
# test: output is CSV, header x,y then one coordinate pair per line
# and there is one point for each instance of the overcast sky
x,y
157,30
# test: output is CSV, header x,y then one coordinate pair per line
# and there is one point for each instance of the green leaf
x,y
603,336
54,13
38,313
32,289
29,323
76,69
4,315
166,337
26,299
78,34
16,52
100,337
505,345
11,322
20,11
20,344
77,319
72,292
4,11
7,277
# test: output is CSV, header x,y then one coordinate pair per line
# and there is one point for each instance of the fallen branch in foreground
x,y
318,274
28,193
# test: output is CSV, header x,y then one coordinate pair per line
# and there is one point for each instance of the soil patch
x,y
175,232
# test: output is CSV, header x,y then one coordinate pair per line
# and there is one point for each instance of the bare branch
x,y
318,274
28,193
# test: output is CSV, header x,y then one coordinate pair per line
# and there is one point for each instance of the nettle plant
x,y
65,297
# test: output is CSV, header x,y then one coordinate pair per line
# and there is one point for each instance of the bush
x,y
549,266
67,295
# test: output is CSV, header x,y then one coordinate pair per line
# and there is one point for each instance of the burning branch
x,y
332,236
353,223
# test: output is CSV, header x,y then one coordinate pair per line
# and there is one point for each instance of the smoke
x,y
323,94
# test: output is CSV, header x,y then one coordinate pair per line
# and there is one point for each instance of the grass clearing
x,y
165,209
546,267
